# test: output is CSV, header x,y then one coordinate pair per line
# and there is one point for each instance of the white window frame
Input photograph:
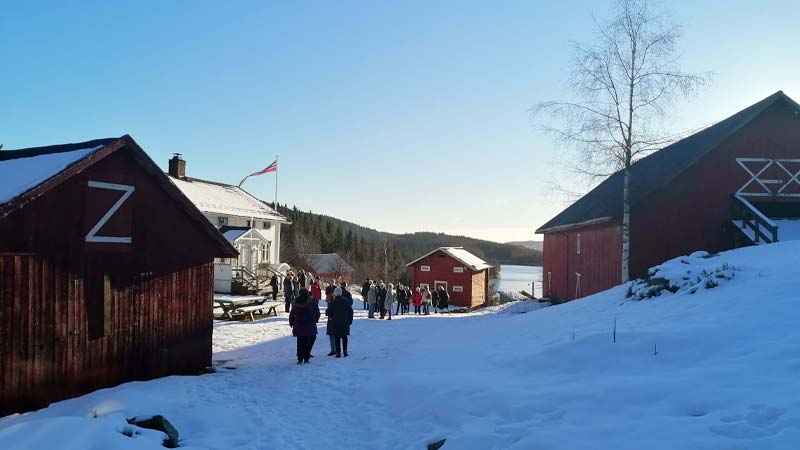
x,y
424,268
458,288
458,269
92,236
435,282
578,243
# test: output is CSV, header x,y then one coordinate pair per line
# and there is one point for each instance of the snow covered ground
x,y
714,369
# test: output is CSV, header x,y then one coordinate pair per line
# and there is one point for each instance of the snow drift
x,y
713,369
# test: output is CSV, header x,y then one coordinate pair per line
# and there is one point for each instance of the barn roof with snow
x,y
327,263
604,202
29,173
221,198
465,257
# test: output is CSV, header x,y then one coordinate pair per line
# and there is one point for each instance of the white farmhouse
x,y
249,224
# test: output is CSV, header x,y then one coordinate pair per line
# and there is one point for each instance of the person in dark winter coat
x,y
273,283
365,291
381,294
303,320
401,300
288,291
340,315
444,299
346,294
435,300
409,297
302,279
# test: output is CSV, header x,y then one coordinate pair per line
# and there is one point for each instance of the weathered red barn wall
x,y
160,325
599,262
693,212
442,270
161,289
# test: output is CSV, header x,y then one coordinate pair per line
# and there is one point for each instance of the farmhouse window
x,y
458,270
578,243
425,268
222,220
458,288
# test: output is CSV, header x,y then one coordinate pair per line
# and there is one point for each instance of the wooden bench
x,y
270,307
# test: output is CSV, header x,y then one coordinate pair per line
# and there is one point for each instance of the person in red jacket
x,y
316,291
417,298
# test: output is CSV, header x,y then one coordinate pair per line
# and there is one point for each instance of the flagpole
x,y
276,183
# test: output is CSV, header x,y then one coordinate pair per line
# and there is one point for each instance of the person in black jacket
x,y
273,283
340,313
444,299
401,300
365,291
382,298
288,291
346,294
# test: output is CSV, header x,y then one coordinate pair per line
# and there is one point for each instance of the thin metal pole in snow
x,y
276,183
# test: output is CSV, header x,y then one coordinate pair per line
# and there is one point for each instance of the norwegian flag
x,y
270,168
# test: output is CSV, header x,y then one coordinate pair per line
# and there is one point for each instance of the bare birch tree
x,y
623,83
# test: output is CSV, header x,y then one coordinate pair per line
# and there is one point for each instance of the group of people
x,y
381,297
303,293
304,314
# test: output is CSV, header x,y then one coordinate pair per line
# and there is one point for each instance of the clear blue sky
x,y
402,116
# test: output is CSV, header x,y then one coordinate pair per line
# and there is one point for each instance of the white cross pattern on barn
x,y
758,167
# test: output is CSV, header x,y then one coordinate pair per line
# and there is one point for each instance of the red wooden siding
x,y
160,324
53,309
441,266
599,261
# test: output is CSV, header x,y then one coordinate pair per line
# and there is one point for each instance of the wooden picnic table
x,y
246,304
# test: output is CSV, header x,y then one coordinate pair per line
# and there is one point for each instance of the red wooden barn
x,y
106,272
463,275
733,183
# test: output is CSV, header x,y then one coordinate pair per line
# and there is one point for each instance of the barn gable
x,y
36,173
604,202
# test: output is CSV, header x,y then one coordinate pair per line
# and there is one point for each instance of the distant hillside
x,y
367,249
533,245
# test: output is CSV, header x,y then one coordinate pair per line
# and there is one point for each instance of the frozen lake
x,y
518,278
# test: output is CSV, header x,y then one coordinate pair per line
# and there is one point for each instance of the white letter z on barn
x,y
92,235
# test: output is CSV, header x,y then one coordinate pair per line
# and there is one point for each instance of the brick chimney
x,y
177,166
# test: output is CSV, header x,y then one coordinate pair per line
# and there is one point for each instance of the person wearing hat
x,y
340,317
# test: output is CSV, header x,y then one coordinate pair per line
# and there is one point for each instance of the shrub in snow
x,y
686,274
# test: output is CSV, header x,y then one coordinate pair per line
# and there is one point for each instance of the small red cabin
x,y
106,272
463,275
734,183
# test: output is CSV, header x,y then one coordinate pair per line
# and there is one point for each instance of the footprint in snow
x,y
758,422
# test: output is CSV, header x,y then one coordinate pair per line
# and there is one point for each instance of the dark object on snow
x,y
159,423
436,445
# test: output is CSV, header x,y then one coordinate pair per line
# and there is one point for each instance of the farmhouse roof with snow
x,y
604,202
221,198
327,263
465,257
